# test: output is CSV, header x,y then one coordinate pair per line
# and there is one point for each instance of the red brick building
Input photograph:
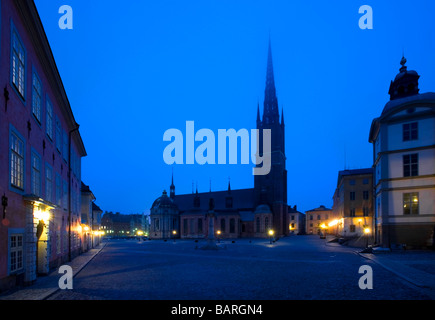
x,y
40,152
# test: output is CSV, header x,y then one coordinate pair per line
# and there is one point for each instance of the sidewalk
x,y
416,267
48,285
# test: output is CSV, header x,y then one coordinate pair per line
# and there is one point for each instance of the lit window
x,y
410,203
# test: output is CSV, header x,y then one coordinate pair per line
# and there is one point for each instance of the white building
x,y
403,139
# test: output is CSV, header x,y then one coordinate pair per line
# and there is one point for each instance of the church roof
x,y
163,202
242,199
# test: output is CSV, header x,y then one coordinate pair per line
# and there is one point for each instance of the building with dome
x,y
239,213
403,139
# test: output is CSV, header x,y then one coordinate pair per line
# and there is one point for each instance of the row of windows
x,y
37,175
352,195
319,217
53,127
366,212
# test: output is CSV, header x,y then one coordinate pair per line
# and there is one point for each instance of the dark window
x,y
366,212
410,203
185,226
352,182
311,217
318,217
410,165
410,131
258,225
366,181
352,212
352,195
232,225
199,225
352,228
222,225
365,195
266,224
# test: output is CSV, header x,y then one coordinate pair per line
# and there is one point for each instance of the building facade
x,y
40,152
123,225
238,213
353,204
403,139
296,221
317,219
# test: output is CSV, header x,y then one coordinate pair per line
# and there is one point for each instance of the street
x,y
293,268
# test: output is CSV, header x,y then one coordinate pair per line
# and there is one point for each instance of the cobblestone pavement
x,y
293,268
300,267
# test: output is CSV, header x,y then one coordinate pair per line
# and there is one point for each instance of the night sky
x,y
134,69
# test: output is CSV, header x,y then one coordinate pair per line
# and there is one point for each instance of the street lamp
x,y
218,235
174,233
271,233
366,232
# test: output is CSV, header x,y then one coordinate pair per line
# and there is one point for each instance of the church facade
x,y
252,212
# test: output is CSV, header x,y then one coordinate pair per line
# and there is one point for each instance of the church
x,y
252,212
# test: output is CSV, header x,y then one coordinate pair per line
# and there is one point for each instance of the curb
x,y
47,296
399,274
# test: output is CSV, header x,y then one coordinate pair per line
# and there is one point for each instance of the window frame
x,y
14,187
20,249
408,132
37,117
35,156
410,167
411,202
14,32
49,114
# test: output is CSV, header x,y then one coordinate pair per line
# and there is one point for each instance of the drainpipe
x,y
69,190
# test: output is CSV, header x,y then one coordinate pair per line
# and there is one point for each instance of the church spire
x,y
271,113
172,187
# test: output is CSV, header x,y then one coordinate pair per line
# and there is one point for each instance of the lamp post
x,y
174,233
218,236
366,232
271,233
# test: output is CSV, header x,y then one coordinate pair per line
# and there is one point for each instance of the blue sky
x,y
135,70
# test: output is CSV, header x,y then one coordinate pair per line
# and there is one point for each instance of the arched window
x,y
258,225
266,224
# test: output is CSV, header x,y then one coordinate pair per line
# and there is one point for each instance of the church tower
x,y
271,189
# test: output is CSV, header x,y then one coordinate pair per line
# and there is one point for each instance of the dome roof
x,y
263,208
164,202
